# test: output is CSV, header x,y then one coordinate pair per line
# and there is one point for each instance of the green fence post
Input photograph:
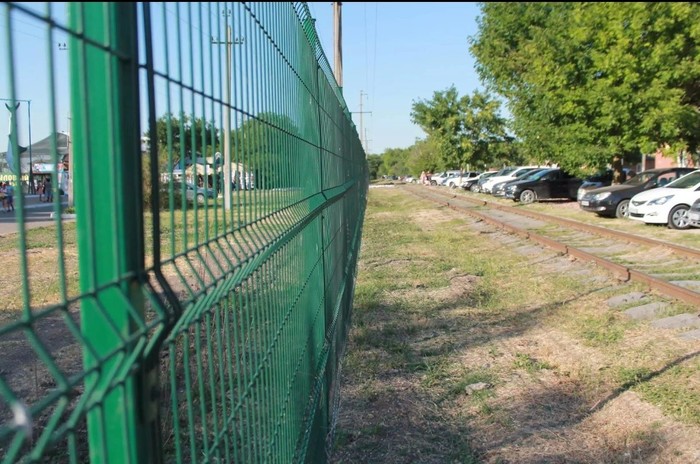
x,y
108,193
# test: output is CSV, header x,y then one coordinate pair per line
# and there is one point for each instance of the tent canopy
x,y
40,151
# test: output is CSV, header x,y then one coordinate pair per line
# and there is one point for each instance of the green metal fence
x,y
197,307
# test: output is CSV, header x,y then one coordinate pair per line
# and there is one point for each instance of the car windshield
x,y
505,171
601,177
534,175
687,181
641,178
523,172
540,174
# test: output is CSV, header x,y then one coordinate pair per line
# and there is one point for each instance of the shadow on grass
x,y
397,347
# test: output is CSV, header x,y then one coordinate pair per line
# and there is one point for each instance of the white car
x,y
443,177
505,175
459,180
668,204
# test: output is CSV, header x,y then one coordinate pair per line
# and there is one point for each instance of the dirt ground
x,y
508,388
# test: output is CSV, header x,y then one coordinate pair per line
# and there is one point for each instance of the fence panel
x,y
197,308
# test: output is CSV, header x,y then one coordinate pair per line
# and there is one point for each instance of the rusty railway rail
x,y
625,273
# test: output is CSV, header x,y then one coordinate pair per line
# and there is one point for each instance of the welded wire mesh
x,y
196,306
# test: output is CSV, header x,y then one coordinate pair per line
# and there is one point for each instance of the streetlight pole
x,y
29,116
31,189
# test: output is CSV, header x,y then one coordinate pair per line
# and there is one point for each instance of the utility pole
x,y
227,114
338,43
361,122
227,110
69,141
362,94
367,141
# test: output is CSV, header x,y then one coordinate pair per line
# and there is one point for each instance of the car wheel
x,y
474,188
623,209
527,196
200,198
678,218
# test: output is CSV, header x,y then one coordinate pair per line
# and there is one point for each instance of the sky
x,y
393,53
398,53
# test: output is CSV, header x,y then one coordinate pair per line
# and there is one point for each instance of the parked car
x,y
457,181
499,189
474,185
193,192
694,214
669,204
602,179
442,178
509,174
547,184
614,200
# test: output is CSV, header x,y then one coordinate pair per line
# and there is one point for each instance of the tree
x,y
270,146
394,162
591,84
466,130
374,163
424,156
180,138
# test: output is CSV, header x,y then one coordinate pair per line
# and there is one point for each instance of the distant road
x,y
36,215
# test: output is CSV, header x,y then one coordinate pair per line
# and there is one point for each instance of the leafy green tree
x,y
185,137
394,162
590,84
374,163
441,118
466,130
271,147
424,155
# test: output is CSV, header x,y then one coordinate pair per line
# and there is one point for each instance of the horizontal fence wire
x,y
194,302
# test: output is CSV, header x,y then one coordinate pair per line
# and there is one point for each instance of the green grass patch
x,y
531,365
601,331
676,391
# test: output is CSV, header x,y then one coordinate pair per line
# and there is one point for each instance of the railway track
x,y
663,267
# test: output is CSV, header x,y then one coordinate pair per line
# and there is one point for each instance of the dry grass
x,y
465,351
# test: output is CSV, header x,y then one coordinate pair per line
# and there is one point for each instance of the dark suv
x,y
614,200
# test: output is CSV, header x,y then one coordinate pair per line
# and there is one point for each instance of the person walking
x,y
9,197
3,197
48,191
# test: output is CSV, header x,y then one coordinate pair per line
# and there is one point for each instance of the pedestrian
x,y
40,189
48,191
9,197
3,197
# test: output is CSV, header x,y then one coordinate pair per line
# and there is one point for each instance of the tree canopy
x,y
186,138
467,130
590,84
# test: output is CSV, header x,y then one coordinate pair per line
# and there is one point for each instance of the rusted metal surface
x,y
624,273
685,251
